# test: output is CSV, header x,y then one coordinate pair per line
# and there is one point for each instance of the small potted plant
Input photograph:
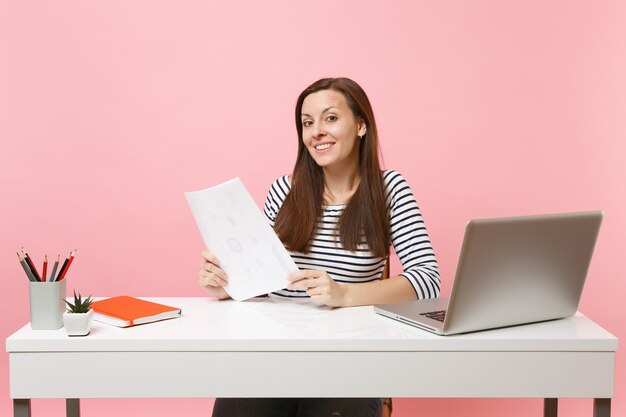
x,y
78,317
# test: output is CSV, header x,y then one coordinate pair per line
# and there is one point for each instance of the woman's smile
x,y
323,147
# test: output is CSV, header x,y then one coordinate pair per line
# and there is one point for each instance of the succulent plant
x,y
80,305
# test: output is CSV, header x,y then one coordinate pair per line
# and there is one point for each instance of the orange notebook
x,y
125,311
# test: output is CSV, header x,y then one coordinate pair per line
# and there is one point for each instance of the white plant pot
x,y
77,324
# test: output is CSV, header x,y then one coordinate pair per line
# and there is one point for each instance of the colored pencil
x,y
54,269
31,265
71,258
45,268
29,274
62,270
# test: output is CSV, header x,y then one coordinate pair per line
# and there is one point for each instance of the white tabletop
x,y
276,325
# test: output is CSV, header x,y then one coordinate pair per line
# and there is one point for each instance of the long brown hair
x,y
365,218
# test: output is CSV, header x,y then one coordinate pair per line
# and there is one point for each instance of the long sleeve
x,y
410,238
275,198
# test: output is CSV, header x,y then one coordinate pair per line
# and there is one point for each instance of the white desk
x,y
230,349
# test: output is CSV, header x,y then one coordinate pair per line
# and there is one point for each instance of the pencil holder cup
x,y
47,304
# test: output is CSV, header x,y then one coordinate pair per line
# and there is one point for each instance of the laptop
x,y
511,271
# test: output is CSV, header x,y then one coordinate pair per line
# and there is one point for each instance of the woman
x,y
338,214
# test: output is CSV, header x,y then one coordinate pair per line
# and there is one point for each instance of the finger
x,y
211,280
205,281
313,292
214,269
219,279
209,257
297,285
303,284
305,273
215,274
219,272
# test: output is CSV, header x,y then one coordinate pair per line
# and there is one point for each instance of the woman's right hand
x,y
213,278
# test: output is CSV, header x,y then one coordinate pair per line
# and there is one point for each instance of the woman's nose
x,y
318,130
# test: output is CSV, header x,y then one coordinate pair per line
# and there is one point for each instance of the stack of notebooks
x,y
125,311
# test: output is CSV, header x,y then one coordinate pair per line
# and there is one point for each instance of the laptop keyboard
x,y
435,315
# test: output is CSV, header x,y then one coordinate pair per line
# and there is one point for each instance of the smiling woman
x,y
338,214
337,164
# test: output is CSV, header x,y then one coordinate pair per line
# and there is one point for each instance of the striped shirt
x,y
408,236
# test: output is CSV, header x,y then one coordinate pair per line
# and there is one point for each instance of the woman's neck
x,y
340,186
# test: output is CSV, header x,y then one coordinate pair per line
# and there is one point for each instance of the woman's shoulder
x,y
391,178
396,186
281,186
282,181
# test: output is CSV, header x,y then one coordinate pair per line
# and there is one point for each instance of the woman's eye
x,y
307,123
331,118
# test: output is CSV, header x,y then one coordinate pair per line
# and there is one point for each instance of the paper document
x,y
238,234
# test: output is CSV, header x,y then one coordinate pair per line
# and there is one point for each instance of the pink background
x,y
109,111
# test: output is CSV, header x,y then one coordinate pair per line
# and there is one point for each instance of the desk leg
x,y
72,407
21,407
601,407
550,407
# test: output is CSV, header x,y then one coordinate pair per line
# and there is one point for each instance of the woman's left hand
x,y
319,286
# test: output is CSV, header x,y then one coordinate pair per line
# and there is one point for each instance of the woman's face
x,y
330,131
